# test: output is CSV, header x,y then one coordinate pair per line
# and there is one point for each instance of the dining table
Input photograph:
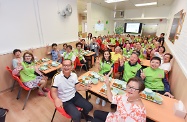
x,y
157,112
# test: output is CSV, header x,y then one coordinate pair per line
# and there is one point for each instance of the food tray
x,y
115,91
154,97
119,84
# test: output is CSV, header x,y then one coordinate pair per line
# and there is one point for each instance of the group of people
x,y
128,52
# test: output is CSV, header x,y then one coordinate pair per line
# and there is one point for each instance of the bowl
x,y
148,91
45,64
94,81
158,98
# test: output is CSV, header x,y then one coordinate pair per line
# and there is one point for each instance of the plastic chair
x,y
61,110
22,86
10,71
78,63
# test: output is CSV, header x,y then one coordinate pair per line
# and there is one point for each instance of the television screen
x,y
132,27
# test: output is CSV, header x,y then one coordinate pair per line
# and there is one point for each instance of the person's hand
x,y
106,79
168,94
142,75
58,102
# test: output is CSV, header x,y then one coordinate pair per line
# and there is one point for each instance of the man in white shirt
x,y
166,65
64,92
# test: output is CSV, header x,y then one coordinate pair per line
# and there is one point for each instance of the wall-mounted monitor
x,y
132,27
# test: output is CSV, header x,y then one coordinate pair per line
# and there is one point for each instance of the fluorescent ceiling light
x,y
146,4
114,1
85,11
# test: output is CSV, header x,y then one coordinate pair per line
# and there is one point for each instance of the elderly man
x,y
64,92
166,65
130,67
117,54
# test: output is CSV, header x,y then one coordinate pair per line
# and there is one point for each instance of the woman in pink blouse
x,y
129,106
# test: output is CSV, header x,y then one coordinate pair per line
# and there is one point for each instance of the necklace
x,y
132,100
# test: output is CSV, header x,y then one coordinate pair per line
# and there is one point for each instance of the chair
x,y
10,71
22,86
61,110
78,63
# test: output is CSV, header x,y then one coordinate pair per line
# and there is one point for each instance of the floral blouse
x,y
126,112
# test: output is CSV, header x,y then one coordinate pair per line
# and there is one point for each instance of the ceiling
x,y
120,5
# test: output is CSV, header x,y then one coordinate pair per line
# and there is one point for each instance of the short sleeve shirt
x,y
126,112
66,86
54,55
165,66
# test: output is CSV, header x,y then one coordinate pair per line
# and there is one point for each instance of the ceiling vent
x,y
118,14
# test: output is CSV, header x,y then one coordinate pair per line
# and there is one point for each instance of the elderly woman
x,y
28,74
117,54
129,106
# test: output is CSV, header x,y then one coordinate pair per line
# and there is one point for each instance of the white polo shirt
x,y
65,86
166,66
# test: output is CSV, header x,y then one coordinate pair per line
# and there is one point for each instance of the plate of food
x,y
55,64
101,78
119,84
153,97
115,91
43,68
84,82
95,75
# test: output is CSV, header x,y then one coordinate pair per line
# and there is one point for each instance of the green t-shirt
x,y
153,79
27,74
112,40
78,53
130,71
127,53
120,40
69,57
105,66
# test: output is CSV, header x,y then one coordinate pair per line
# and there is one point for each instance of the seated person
x,y
160,53
127,51
130,68
130,107
126,42
94,46
166,65
65,93
62,51
68,54
147,53
117,54
78,52
84,45
113,40
54,52
28,74
106,68
154,78
16,62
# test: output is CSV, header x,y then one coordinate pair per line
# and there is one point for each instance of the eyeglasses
x,y
131,88
66,65
28,56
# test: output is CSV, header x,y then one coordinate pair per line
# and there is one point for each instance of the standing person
x,y
54,52
161,39
28,74
94,46
105,67
65,93
89,39
130,68
154,78
130,107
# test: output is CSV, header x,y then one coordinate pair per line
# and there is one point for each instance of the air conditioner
x,y
118,14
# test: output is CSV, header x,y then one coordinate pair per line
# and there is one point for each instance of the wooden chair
x,y
10,71
22,86
61,110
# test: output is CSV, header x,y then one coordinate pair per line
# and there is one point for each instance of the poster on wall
x,y
99,27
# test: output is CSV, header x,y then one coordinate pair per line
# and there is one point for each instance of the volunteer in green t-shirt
x,y
154,78
130,67
78,52
28,74
127,51
106,68
113,40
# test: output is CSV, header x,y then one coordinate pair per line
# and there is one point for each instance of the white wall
x,y
96,12
179,48
34,23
